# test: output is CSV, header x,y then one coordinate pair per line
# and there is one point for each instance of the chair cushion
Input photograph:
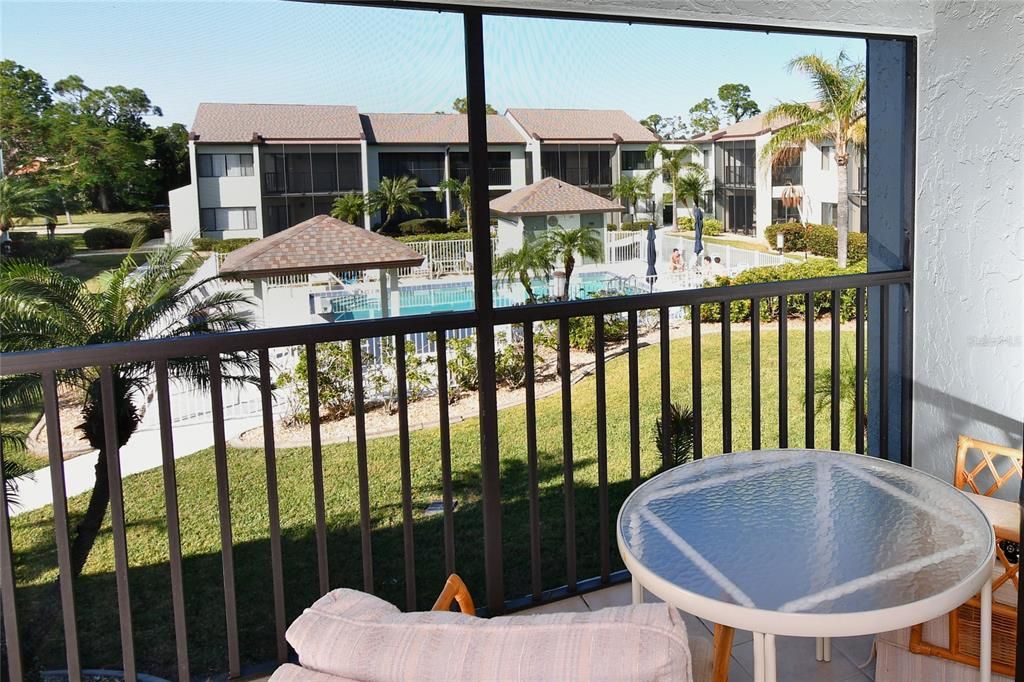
x,y
293,673
353,635
1004,515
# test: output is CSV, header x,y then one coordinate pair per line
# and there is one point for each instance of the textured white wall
x,y
969,235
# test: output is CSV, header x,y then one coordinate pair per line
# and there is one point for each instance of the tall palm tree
x,y
532,258
20,202
349,207
460,189
393,195
691,186
629,189
673,162
43,308
566,244
839,116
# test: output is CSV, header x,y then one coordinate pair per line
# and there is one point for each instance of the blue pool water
x,y
438,297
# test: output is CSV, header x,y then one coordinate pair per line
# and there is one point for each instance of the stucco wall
x,y
969,233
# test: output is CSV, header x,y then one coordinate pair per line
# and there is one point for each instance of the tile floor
x,y
795,655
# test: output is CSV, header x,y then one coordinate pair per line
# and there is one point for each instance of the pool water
x,y
440,297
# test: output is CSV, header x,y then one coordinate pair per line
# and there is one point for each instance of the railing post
x,y
490,473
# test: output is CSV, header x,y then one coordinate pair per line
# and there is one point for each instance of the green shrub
x,y
45,251
739,311
153,224
335,389
107,238
456,221
821,240
221,245
509,362
638,226
462,369
423,226
712,226
436,237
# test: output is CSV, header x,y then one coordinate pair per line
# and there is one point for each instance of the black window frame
x,y
208,158
646,163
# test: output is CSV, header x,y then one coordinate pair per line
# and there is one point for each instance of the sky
x,y
183,53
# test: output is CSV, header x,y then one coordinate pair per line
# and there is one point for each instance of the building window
x,y
788,169
828,213
221,219
828,152
735,163
224,165
635,160
784,214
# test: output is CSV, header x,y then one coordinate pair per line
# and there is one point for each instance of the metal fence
x,y
545,581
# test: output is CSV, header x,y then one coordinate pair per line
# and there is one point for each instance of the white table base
x,y
764,643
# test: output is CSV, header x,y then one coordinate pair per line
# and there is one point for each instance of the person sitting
x,y
717,268
676,263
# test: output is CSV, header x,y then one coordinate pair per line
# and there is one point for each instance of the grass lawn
x,y
147,531
90,219
90,269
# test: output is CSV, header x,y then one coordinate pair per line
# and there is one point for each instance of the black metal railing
x,y
300,572
301,182
496,175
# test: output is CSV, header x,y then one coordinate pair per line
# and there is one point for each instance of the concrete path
x,y
141,453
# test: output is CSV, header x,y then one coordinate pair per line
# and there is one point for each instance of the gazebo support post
x,y
385,300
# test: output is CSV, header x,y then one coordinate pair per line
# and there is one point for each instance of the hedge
x,y
221,245
769,309
638,226
47,251
108,238
153,223
435,237
821,240
712,226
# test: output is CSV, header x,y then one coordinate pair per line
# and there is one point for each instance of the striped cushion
x,y
356,636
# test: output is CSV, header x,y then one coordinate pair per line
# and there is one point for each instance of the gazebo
x,y
322,244
529,211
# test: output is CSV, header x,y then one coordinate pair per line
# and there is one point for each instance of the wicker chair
x,y
996,467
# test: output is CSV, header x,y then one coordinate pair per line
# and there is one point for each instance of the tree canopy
x,y
461,106
736,101
91,145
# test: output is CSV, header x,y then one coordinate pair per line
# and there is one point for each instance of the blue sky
x,y
183,53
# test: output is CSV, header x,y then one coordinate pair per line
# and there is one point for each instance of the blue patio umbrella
x,y
698,225
652,254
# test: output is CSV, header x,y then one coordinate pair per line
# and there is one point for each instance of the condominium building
x,y
260,168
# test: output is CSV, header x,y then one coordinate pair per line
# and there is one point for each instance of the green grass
x,y
147,527
90,219
90,269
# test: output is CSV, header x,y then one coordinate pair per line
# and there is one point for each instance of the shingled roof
x,y
433,129
591,125
749,128
552,196
320,244
216,122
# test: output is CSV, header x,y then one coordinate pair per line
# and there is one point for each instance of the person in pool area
x,y
676,264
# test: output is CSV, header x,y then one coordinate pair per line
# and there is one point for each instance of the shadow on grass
x,y
153,627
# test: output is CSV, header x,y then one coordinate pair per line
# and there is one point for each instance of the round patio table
x,y
807,543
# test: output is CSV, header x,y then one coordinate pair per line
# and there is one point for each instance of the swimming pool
x,y
441,297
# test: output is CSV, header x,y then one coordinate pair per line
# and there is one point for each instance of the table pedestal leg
x,y
769,658
819,648
985,667
638,591
758,657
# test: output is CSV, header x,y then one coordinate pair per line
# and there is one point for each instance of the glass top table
x,y
806,543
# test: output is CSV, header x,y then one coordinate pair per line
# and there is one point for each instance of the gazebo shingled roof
x,y
552,196
320,244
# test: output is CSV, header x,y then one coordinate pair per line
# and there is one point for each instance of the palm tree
x,y
43,308
20,202
394,195
566,244
532,258
680,445
673,162
847,394
460,189
691,186
349,207
629,188
838,116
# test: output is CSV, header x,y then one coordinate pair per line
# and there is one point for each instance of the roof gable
x,y
598,125
320,244
552,196
220,122
433,129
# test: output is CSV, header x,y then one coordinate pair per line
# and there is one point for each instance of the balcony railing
x,y
229,601
738,176
580,176
301,182
495,175
425,176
